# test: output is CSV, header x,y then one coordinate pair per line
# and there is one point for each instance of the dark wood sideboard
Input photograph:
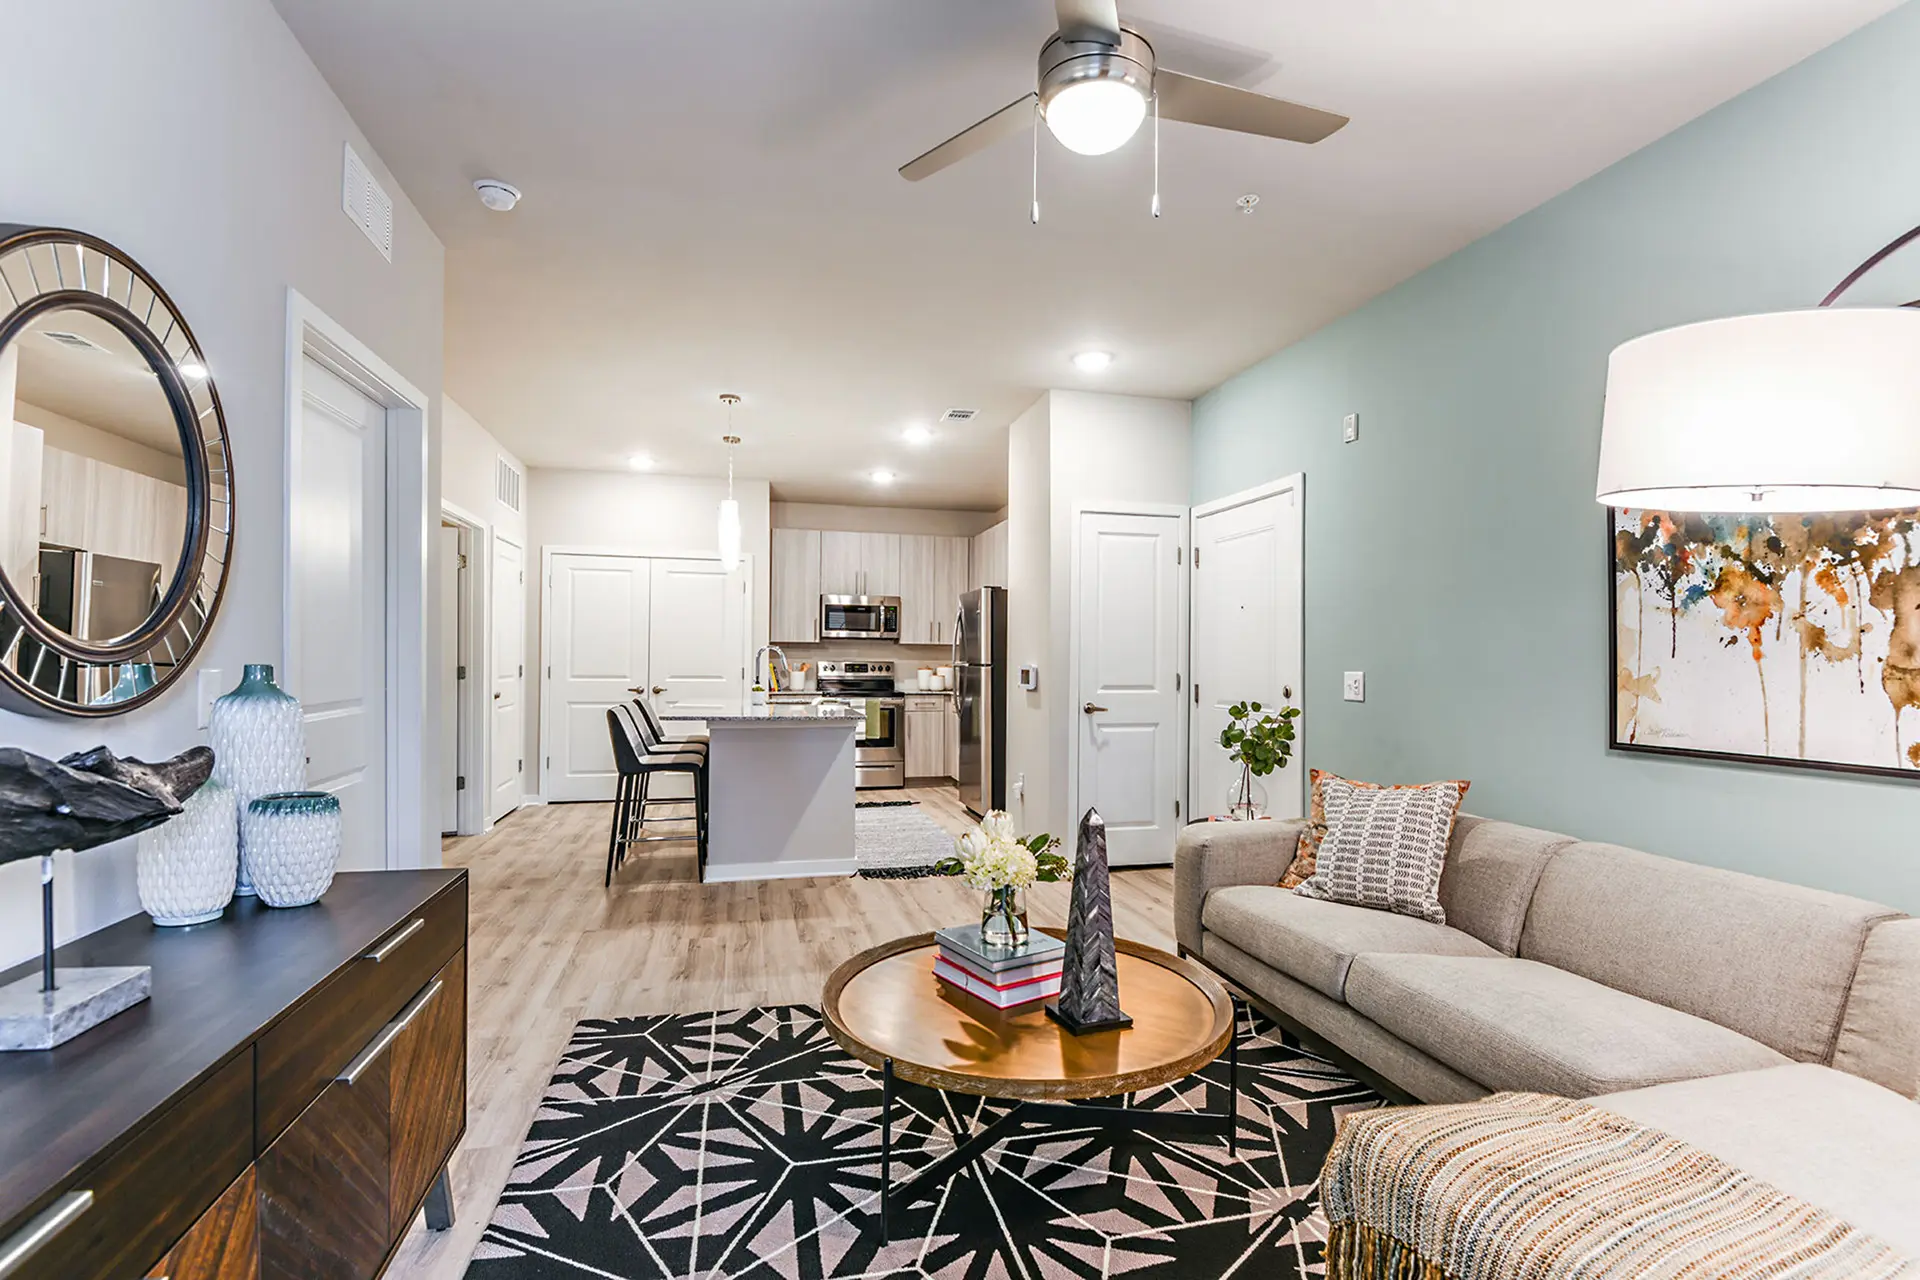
x,y
280,1109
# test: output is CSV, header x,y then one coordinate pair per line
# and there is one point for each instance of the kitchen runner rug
x,y
894,840
746,1146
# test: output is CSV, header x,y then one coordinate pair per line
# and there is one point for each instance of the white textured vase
x,y
290,843
259,745
187,866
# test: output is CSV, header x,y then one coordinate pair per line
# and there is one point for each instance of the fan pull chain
x,y
1036,162
1156,155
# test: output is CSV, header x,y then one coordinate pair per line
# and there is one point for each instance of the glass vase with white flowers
x,y
1000,863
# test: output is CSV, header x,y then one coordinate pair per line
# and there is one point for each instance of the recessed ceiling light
x,y
917,435
641,462
191,368
882,476
1092,361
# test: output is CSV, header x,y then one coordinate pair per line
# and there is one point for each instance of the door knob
x,y
1091,708
496,697
659,689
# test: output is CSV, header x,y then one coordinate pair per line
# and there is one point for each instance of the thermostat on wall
x,y
1029,676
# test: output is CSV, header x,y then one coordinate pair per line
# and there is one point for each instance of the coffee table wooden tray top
x,y
886,1008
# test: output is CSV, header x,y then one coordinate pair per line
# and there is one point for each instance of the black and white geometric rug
x,y
746,1145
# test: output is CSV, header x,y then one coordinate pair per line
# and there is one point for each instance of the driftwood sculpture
x,y
89,798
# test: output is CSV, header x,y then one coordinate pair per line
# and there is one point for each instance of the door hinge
x,y
1176,810
518,765
1196,557
1176,555
463,559
521,671
1176,682
459,673
460,783
1196,695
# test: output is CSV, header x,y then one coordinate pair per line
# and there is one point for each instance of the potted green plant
x,y
1259,741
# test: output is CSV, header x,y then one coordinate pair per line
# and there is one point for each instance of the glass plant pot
x,y
1003,922
1246,799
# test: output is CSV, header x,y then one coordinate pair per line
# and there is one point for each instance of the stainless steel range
x,y
880,751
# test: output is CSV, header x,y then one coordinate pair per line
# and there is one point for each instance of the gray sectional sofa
x,y
1774,1025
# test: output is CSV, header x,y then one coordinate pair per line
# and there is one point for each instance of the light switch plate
x,y
207,690
1353,686
1350,428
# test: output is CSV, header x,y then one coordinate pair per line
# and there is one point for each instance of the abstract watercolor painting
x,y
1787,639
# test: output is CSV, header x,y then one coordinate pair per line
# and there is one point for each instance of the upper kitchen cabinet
x,y
989,566
859,564
795,614
933,575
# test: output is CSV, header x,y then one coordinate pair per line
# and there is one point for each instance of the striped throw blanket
x,y
1526,1187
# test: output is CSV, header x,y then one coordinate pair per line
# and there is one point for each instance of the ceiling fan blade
x,y
1089,20
1004,123
1221,106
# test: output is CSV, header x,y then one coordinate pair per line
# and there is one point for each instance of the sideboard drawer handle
x,y
378,1045
33,1237
392,944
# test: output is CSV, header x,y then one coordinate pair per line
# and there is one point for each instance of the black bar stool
x,y
658,734
637,763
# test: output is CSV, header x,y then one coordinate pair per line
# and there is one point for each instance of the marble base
x,y
34,1019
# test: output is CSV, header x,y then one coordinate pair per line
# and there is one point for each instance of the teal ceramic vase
x,y
135,679
291,844
259,746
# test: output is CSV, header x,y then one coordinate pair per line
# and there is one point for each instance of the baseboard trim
x,y
718,873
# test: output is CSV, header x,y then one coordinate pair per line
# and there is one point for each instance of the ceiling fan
x,y
1097,79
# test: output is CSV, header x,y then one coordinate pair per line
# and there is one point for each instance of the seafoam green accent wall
x,y
1456,554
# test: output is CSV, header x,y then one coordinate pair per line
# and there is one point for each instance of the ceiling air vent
x,y
367,203
73,340
959,415
506,484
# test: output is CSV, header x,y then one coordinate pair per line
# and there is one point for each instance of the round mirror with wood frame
x,y
116,483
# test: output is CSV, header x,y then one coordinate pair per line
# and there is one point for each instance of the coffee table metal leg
x,y
886,1153
1233,1088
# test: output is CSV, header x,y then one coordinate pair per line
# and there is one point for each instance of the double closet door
x,y
677,628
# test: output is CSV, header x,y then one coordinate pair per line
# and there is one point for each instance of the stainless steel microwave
x,y
859,617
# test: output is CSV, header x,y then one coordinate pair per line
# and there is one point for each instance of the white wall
x,y
1077,448
198,137
823,515
625,511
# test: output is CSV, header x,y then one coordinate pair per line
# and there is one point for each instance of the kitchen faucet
x,y
773,672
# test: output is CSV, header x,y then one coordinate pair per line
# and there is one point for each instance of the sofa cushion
x,y
1770,960
1880,1035
1829,1138
1314,942
1490,875
1516,1024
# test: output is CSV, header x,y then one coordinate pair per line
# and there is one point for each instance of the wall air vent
x,y
367,203
73,340
959,415
506,484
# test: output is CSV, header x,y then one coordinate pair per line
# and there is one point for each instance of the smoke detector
x,y
497,195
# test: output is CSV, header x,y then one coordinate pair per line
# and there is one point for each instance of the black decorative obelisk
x,y
1090,986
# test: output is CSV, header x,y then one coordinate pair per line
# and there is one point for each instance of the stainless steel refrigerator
x,y
980,692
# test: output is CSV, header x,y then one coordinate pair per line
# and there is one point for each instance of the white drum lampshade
x,y
1792,411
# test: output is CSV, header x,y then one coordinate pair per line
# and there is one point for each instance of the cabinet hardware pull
x,y
389,1033
49,1223
392,944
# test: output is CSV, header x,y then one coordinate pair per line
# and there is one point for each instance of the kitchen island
x,y
780,793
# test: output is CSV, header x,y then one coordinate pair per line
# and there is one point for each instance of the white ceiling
x,y
110,387
712,204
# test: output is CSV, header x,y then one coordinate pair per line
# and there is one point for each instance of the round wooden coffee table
x,y
886,1008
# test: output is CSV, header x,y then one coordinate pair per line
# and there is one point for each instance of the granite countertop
x,y
780,715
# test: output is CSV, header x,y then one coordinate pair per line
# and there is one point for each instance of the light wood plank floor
x,y
549,946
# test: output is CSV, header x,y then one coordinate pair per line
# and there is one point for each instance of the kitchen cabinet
x,y
794,616
926,745
950,585
859,564
989,563
952,751
933,575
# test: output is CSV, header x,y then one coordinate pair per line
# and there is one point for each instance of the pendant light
x,y
729,509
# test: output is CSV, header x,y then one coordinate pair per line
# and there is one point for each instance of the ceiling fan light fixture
x,y
1093,95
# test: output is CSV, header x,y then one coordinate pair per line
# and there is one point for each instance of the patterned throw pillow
x,y
1308,850
1385,847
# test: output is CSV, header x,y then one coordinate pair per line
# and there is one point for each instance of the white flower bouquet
x,y
992,856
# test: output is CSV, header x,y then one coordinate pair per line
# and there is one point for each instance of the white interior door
x,y
1246,633
506,742
596,653
697,650
339,609
1128,626
448,568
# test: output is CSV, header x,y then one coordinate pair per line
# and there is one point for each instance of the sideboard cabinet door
x,y
323,1185
428,1108
223,1245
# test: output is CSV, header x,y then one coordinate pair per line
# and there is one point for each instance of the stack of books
x,y
1004,979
